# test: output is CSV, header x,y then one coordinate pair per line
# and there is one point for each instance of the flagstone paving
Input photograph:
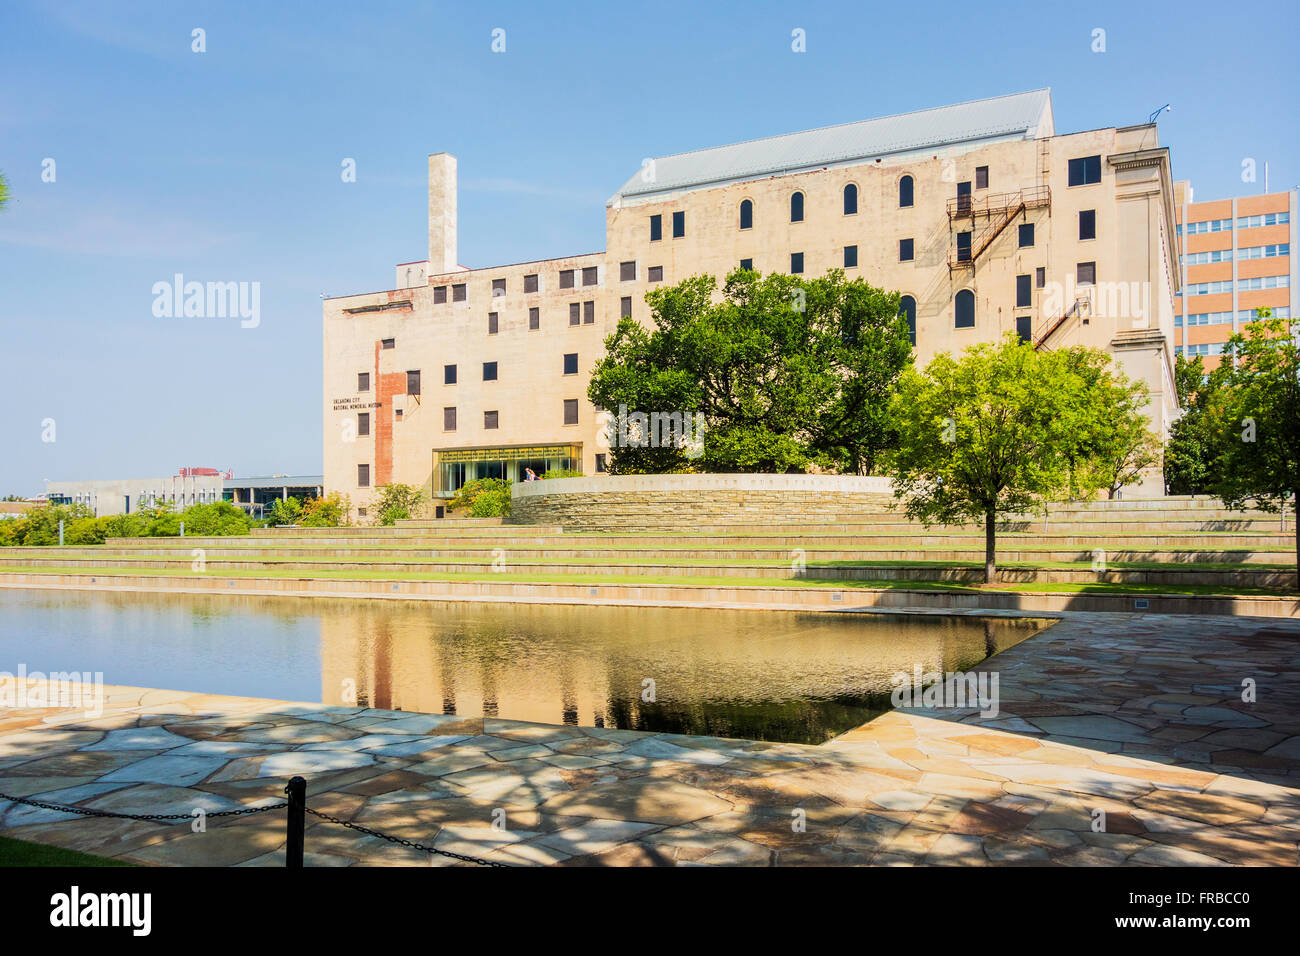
x,y
1119,740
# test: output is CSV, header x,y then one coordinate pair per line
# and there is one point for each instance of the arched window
x,y
907,309
850,200
964,311
746,214
905,191
796,207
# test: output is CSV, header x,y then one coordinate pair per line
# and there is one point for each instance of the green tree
x,y
1115,448
786,372
1255,418
330,511
285,511
397,502
1001,430
1189,452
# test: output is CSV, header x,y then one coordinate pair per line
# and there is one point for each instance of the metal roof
x,y
1020,114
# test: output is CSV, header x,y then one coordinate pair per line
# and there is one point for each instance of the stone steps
x,y
1169,576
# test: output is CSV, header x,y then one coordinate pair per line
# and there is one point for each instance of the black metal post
x,y
295,821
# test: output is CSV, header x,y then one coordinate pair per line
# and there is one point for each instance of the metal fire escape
x,y
998,210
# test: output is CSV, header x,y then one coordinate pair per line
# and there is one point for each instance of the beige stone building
x,y
981,215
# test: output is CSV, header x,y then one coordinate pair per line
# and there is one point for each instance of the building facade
x,y
980,215
190,486
1235,256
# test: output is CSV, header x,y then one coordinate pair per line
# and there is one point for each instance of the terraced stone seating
x,y
1175,543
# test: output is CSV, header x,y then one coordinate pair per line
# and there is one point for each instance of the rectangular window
x,y
589,275
625,307
627,271
1040,277
588,312
575,313
489,420
1086,274
493,325
1085,171
850,257
747,265
1024,292
439,294
363,476
796,263
981,177
1026,235
906,250
534,318
449,375
363,423
458,293
489,371
571,363
601,467
1025,328
413,382
530,283
363,381
498,287
398,414
566,278
656,228
1088,224
570,411
388,343
656,274
963,247
449,419
679,225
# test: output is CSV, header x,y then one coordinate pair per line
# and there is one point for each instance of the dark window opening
x,y
530,283
489,371
589,275
575,313
1088,224
981,177
1026,234
449,419
1025,328
796,207
566,278
906,250
850,200
656,228
534,318
388,343
625,307
1085,170
492,323
588,312
963,247
570,411
363,476
964,310
363,381
656,274
679,225
907,309
458,293
413,382
449,375
571,363
796,263
498,286
1024,292
905,191
747,265
363,423
850,257
439,294
627,271
489,420
746,214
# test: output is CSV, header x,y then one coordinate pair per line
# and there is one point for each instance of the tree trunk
x,y
1295,519
990,546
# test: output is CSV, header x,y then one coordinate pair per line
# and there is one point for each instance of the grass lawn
x,y
22,853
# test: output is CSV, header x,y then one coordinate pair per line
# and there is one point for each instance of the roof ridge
x,y
869,119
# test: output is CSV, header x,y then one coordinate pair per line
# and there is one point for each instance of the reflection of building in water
x,y
588,666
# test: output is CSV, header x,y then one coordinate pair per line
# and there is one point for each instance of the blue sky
x,y
225,165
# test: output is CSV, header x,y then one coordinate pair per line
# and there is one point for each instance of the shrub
x,y
397,502
328,512
562,473
284,511
484,498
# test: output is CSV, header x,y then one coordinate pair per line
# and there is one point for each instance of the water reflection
x,y
772,676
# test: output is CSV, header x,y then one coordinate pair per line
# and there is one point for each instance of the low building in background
x,y
983,217
1236,256
189,486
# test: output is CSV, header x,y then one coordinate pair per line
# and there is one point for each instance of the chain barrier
x,y
243,811
400,842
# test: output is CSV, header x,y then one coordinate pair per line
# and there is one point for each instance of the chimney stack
x,y
442,213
